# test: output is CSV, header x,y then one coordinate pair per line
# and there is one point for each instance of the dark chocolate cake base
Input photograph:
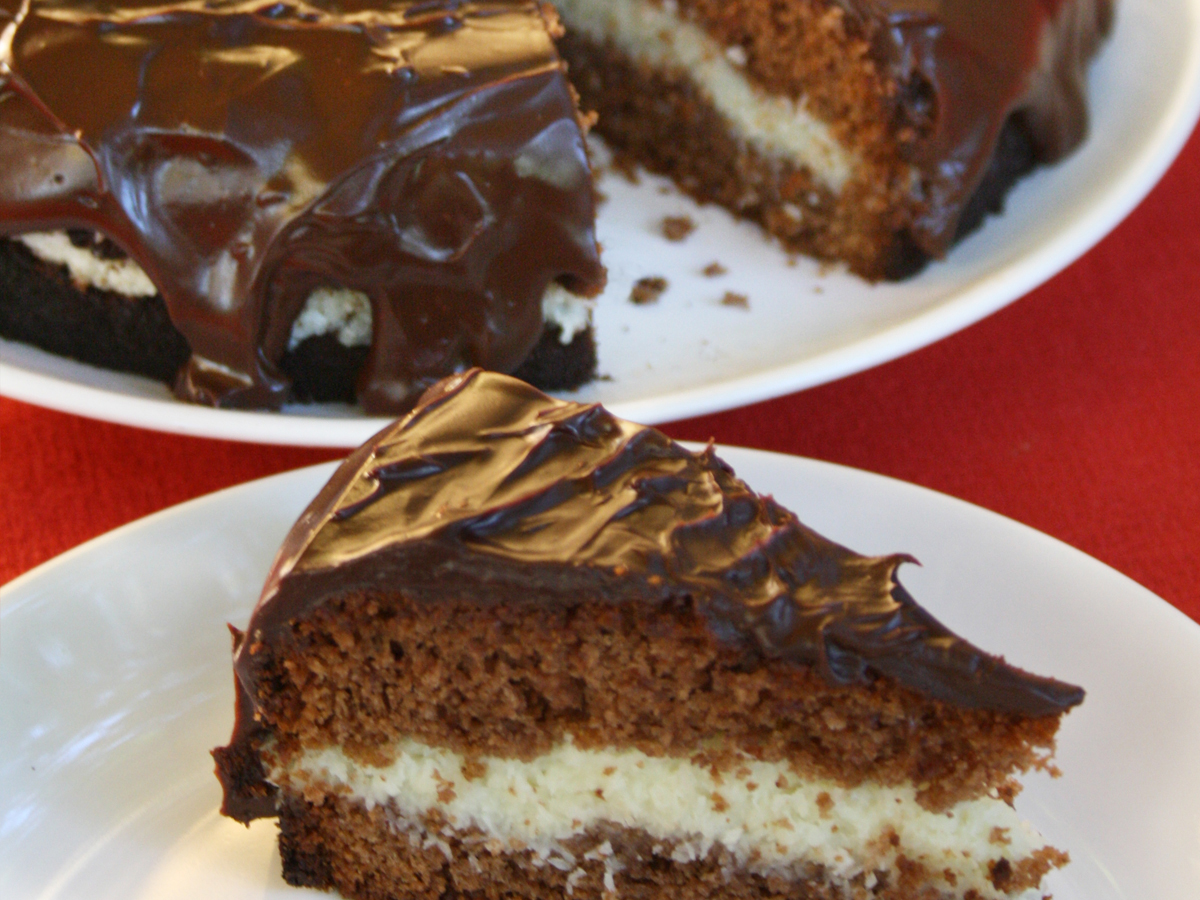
x,y
40,306
337,843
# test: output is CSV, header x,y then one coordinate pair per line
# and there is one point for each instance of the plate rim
x,y
1156,611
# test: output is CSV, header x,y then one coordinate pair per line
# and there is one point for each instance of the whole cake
x,y
875,132
304,200
357,198
518,647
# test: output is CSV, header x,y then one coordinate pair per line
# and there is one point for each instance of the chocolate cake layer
x,y
426,154
39,305
375,854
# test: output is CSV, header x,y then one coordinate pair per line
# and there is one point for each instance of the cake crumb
x,y
713,269
824,804
647,290
999,836
473,768
1000,873
741,301
720,804
625,165
445,788
676,228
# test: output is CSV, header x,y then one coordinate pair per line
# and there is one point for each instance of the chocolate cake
x,y
874,132
518,647
310,200
354,198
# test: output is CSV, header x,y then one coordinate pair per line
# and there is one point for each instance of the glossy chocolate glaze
x,y
425,152
962,68
490,482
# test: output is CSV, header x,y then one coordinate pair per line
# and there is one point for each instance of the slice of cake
x,y
357,198
875,132
518,647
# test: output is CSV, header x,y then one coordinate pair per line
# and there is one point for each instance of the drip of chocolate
x,y
491,489
963,68
424,152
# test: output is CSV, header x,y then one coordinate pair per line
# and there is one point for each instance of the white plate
x,y
690,355
115,680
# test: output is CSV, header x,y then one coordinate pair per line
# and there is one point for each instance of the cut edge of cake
x,y
864,133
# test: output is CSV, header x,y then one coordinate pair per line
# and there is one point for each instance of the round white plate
x,y
116,680
689,354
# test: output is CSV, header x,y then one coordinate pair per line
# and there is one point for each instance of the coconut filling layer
x,y
339,311
761,812
653,33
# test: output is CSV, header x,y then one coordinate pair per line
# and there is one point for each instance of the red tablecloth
x,y
1076,410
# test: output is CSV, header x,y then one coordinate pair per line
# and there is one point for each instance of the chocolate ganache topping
x,y
245,152
962,69
491,489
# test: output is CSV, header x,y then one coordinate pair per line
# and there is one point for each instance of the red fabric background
x,y
1076,410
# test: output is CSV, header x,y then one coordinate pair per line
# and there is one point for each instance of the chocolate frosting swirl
x,y
245,152
491,489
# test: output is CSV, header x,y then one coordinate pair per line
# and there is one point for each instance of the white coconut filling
x,y
339,311
762,813
654,33
118,276
570,312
